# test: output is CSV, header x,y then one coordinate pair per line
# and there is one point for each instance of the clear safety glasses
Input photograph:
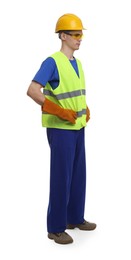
x,y
76,36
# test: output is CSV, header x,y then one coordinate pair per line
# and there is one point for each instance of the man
x,y
64,114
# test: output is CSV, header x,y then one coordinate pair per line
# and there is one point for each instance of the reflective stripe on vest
x,y
71,94
79,113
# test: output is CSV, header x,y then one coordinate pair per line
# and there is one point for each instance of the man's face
x,y
73,39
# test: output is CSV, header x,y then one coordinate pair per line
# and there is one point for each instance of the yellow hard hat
x,y
69,22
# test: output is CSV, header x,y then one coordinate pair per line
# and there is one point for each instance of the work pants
x,y
67,179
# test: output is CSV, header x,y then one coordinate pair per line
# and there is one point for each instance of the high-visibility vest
x,y
70,94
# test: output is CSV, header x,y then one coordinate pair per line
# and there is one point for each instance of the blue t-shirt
x,y
48,72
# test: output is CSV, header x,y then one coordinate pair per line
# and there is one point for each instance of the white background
x,y
26,38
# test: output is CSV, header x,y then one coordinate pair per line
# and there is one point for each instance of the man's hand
x,y
53,109
87,114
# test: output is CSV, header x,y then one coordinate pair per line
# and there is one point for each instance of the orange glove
x,y
52,108
87,114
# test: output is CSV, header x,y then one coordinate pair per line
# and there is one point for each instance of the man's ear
x,y
63,36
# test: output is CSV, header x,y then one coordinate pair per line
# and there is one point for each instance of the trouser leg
x,y
62,145
76,203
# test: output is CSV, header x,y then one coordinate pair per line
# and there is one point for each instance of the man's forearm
x,y
34,92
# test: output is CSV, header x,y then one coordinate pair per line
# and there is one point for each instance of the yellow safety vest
x,y
69,94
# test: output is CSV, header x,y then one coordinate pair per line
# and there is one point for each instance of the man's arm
x,y
34,91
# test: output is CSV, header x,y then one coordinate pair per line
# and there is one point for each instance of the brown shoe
x,y
61,238
83,226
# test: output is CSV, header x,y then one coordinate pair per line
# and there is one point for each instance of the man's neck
x,y
68,53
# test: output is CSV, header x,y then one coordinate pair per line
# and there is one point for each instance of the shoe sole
x,y
73,227
59,242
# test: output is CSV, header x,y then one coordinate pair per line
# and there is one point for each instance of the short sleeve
x,y
45,72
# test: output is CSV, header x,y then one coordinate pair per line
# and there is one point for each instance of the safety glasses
x,y
76,36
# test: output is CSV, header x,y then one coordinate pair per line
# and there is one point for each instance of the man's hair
x,y
59,34
63,31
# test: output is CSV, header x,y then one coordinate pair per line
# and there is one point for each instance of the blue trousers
x,y
67,179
